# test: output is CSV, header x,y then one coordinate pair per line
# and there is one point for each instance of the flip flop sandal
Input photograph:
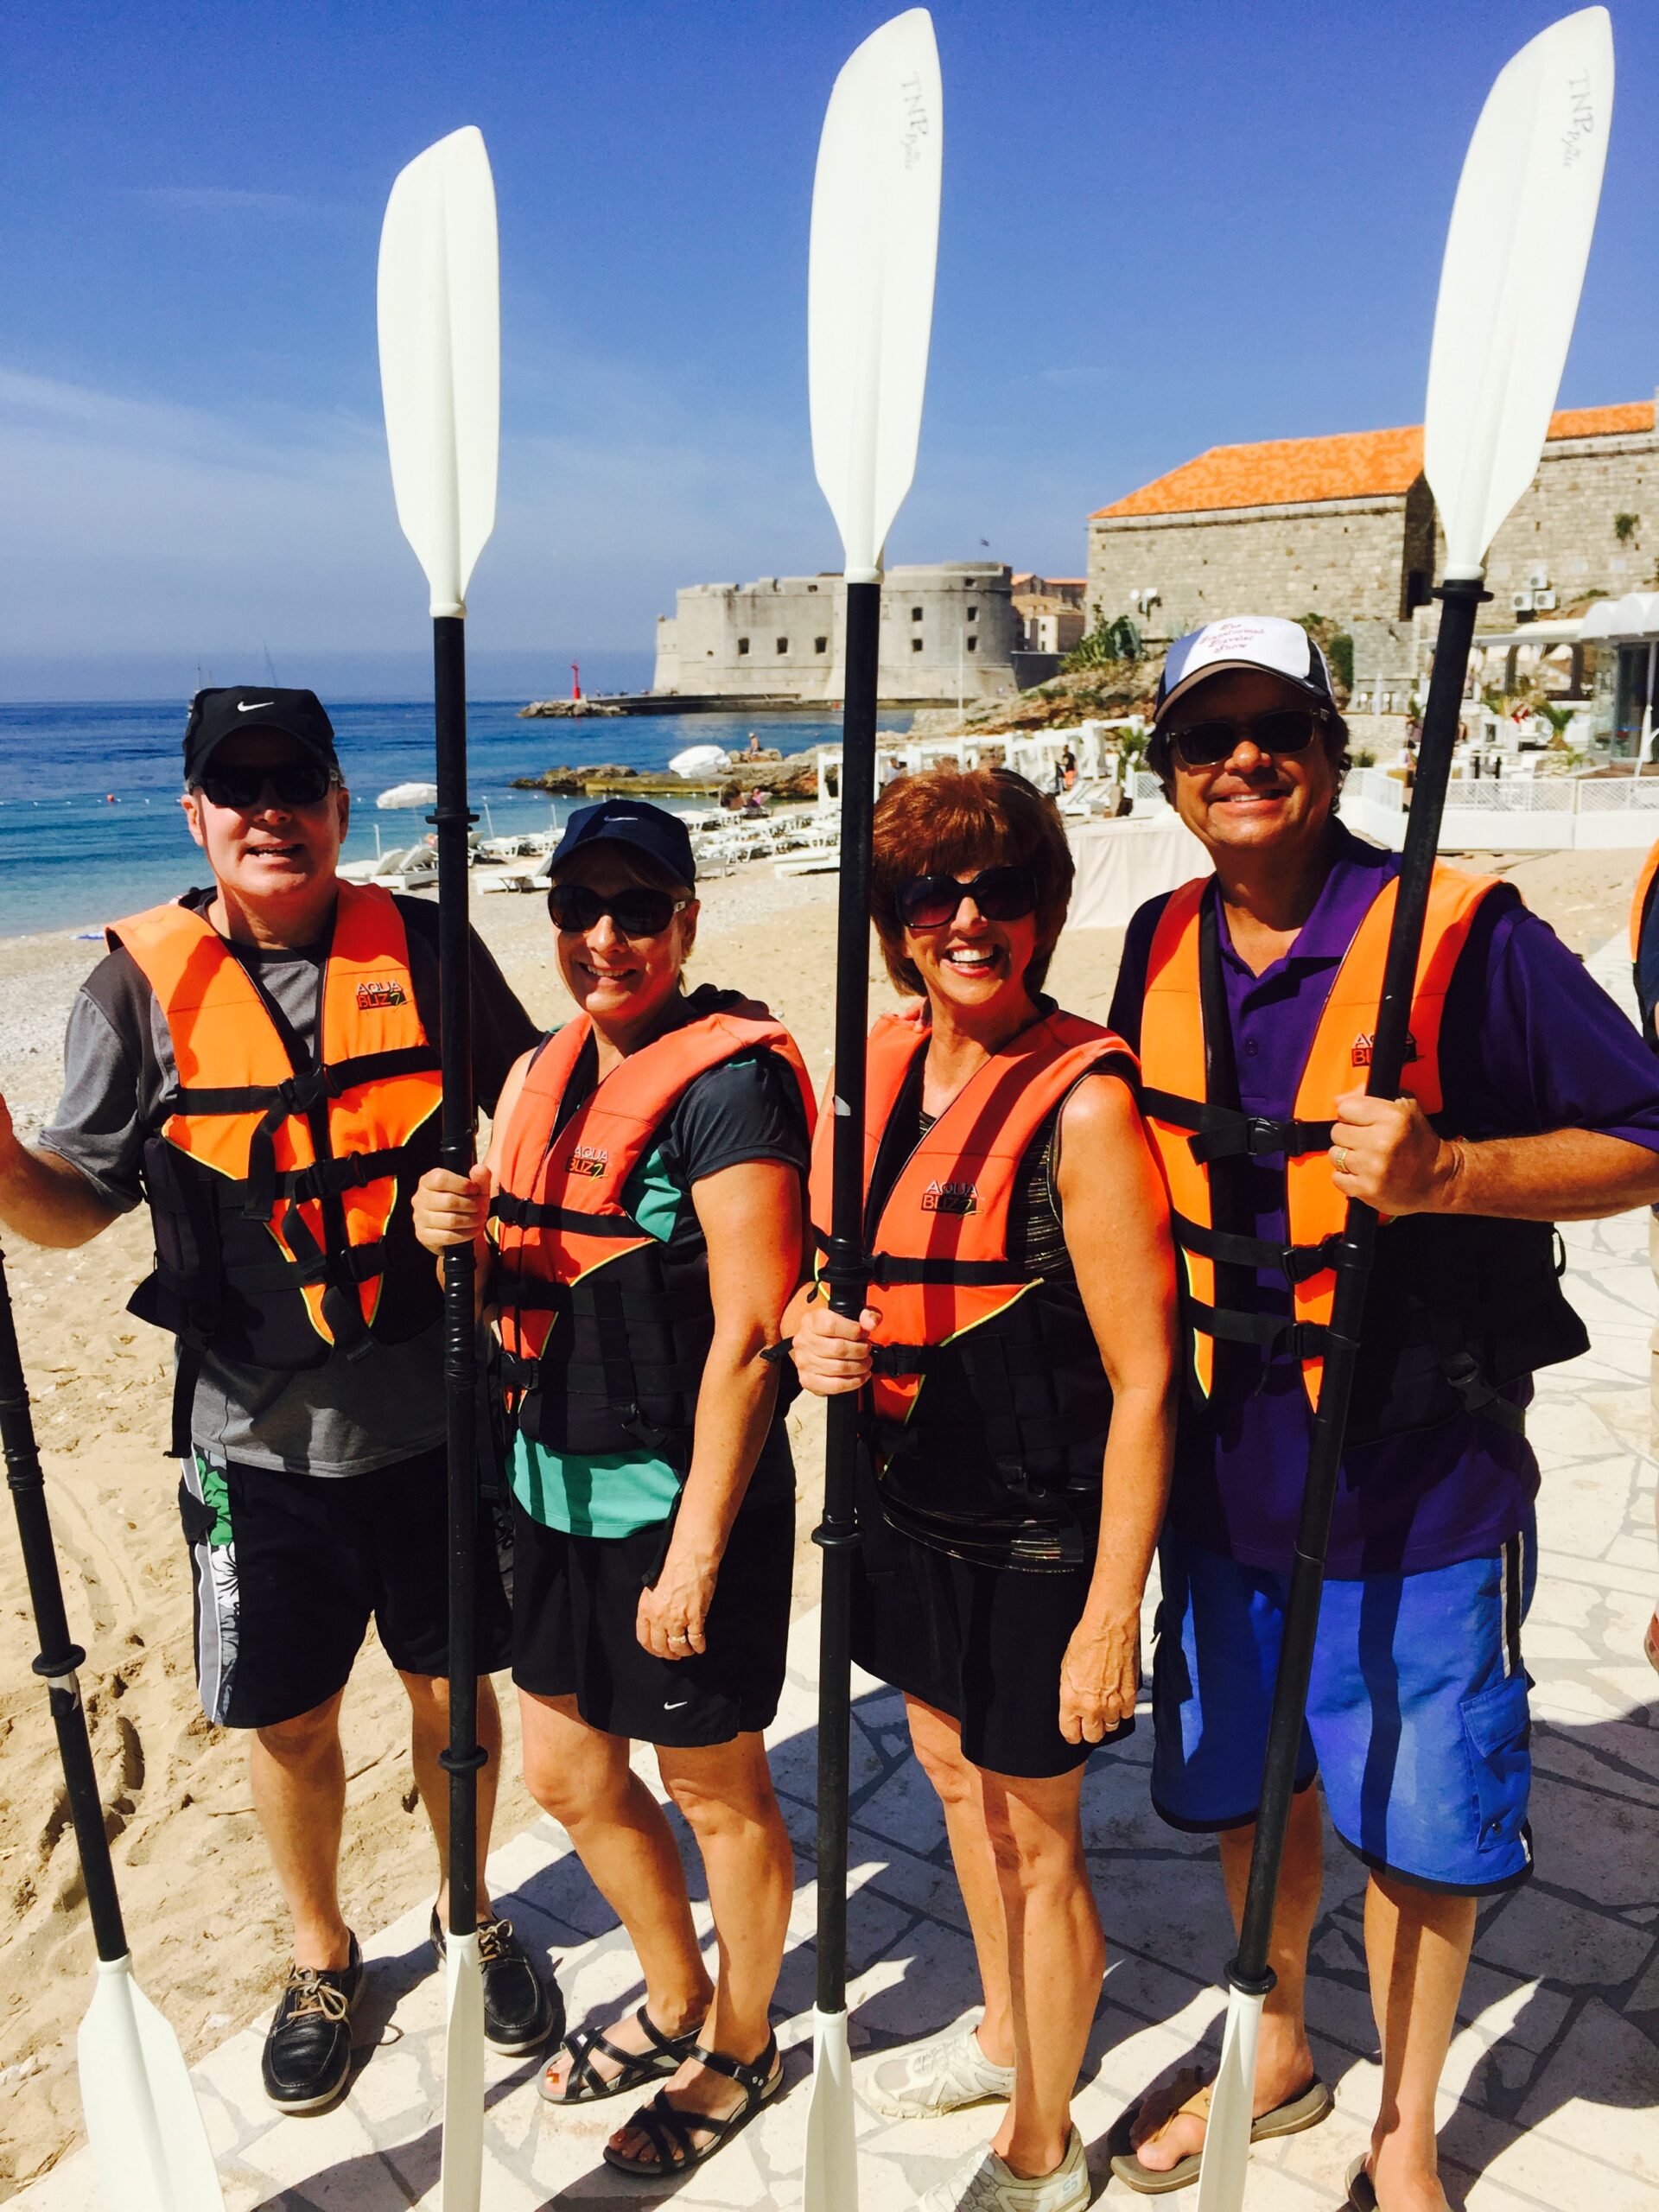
x,y
670,2128
586,2085
1305,2109
1362,2190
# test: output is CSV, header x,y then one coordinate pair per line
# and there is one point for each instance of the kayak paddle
x,y
440,381
148,2142
1526,201
874,241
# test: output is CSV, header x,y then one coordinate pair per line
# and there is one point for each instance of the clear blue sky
x,y
1166,226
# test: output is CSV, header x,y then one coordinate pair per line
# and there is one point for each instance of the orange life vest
x,y
1477,1290
604,1328
280,1192
991,1404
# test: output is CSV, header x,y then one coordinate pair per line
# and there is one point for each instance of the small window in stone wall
x,y
915,614
973,644
820,645
915,645
742,645
973,614
783,644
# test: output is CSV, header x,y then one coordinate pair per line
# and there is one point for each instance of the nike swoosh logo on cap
x,y
252,706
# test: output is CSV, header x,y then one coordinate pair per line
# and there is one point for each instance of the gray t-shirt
x,y
345,1417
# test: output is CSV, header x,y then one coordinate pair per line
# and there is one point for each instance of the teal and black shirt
x,y
747,1108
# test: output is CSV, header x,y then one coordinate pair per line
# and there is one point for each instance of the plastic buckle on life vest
x,y
1262,1135
1300,1262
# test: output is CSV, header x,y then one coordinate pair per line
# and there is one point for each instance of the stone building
x,y
1050,611
1345,527
948,630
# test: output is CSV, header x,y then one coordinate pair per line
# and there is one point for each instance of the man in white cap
x,y
1251,996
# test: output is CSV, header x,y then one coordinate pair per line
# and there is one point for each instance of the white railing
x,y
1516,794
1492,812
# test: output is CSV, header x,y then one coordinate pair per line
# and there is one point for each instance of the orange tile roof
x,y
1602,421
1363,464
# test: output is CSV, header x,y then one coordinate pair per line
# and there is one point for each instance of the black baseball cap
x,y
215,716
650,829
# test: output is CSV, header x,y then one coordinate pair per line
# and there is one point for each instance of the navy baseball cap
x,y
216,715
650,829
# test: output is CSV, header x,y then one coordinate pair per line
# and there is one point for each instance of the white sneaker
x,y
938,2077
983,2183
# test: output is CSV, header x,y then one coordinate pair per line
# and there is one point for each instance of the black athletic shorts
x,y
575,1600
982,1644
290,1569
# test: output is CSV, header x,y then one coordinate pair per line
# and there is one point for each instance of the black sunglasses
x,y
1001,894
637,912
1206,745
297,783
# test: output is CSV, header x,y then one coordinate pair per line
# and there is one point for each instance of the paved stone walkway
x,y
1551,2099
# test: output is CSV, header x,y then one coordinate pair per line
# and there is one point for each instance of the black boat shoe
x,y
520,2009
307,2056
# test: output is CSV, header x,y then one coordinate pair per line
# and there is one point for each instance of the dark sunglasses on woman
x,y
1001,894
1206,745
637,912
297,783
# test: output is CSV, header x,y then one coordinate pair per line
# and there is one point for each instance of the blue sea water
x,y
91,828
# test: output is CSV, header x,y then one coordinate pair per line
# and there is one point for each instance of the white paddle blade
x,y
1227,2137
148,2143
440,313
1515,261
831,2174
461,2174
876,240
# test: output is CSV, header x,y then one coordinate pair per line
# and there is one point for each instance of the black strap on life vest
x,y
1229,1133
1296,1262
885,1271
533,1213
305,1090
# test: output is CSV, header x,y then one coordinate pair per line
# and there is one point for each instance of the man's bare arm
x,y
1384,1151
43,1197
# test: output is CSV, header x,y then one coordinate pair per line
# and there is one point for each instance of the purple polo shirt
x,y
1528,1043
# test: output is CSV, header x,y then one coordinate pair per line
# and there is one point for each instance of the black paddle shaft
x,y
463,1757
1249,1972
59,1657
846,1275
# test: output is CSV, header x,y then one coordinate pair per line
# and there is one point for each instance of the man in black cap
x,y
258,1061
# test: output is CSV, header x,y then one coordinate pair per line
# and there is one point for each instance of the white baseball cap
x,y
1263,641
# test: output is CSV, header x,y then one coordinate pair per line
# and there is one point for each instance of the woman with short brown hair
x,y
1018,1351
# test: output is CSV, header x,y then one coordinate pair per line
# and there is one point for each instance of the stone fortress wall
x,y
946,627
1343,557
1367,562
1563,527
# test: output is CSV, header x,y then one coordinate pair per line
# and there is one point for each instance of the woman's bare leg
x,y
582,1776
959,1786
725,1792
1056,1954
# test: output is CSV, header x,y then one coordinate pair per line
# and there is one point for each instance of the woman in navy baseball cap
x,y
644,1196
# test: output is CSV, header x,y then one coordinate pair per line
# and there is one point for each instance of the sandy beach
x,y
207,1931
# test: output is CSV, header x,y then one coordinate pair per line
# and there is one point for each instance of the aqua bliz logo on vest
x,y
380,991
590,1159
951,1198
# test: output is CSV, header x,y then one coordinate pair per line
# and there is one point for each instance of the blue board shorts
x,y
1417,1719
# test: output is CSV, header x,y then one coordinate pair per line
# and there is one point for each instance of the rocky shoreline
x,y
792,777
